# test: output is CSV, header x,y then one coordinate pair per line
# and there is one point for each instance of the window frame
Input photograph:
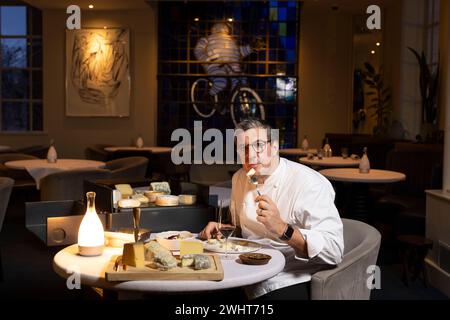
x,y
30,100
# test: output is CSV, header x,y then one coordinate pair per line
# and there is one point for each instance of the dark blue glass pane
x,y
292,14
14,53
290,55
282,14
14,84
290,43
37,117
15,116
36,58
274,3
283,42
292,4
37,84
13,20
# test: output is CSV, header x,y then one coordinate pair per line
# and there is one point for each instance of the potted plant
x,y
429,85
380,98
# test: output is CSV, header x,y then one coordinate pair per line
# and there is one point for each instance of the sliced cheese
x,y
134,254
190,247
125,190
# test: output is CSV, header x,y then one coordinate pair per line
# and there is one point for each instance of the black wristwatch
x,y
287,235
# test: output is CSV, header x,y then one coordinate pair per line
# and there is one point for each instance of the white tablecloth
x,y
353,175
92,272
330,162
149,149
40,168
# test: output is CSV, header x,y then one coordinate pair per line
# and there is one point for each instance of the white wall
x,y
71,134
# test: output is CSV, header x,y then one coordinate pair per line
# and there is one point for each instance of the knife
x,y
136,221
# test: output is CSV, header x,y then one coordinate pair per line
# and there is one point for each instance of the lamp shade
x,y
91,238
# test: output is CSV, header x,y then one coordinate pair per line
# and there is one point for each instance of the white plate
x,y
172,244
238,245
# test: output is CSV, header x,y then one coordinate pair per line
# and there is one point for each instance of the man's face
x,y
255,151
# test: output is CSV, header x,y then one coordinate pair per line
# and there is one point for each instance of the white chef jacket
x,y
305,200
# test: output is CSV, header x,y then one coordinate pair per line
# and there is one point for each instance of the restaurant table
x,y
330,162
92,273
148,149
356,202
296,152
40,168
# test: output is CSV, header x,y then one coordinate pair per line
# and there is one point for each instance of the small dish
x,y
255,258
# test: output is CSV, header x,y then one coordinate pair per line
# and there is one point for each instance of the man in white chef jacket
x,y
295,213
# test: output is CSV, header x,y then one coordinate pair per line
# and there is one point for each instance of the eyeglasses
x,y
259,146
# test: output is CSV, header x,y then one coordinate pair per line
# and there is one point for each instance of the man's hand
x,y
210,231
269,215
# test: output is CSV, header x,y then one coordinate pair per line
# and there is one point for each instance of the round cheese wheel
x,y
166,200
187,199
151,195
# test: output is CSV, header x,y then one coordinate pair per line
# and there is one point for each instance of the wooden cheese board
x,y
151,272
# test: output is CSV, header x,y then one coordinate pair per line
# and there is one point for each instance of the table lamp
x,y
91,237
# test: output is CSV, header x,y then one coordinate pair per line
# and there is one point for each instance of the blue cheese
x,y
198,261
201,261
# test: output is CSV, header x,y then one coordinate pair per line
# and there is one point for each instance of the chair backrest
x,y
39,151
97,152
212,174
419,166
5,157
15,174
69,185
6,185
348,280
131,167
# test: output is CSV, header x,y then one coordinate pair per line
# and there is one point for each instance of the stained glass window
x,y
271,72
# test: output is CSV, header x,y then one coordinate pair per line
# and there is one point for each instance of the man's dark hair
x,y
252,123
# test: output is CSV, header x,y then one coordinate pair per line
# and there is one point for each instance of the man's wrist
x,y
287,234
282,230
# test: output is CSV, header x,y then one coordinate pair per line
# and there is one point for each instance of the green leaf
x,y
370,68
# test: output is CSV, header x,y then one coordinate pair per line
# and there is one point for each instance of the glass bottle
x,y
305,143
364,163
139,142
91,238
52,155
327,149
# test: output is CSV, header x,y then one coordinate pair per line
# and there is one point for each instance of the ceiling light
x,y
230,19
196,19
372,52
378,44
91,6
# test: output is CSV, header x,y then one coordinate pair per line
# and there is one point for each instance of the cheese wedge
x,y
125,190
190,247
134,254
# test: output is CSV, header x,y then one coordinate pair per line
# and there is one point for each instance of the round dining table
x,y
148,149
353,175
337,162
92,273
40,168
356,201
296,152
